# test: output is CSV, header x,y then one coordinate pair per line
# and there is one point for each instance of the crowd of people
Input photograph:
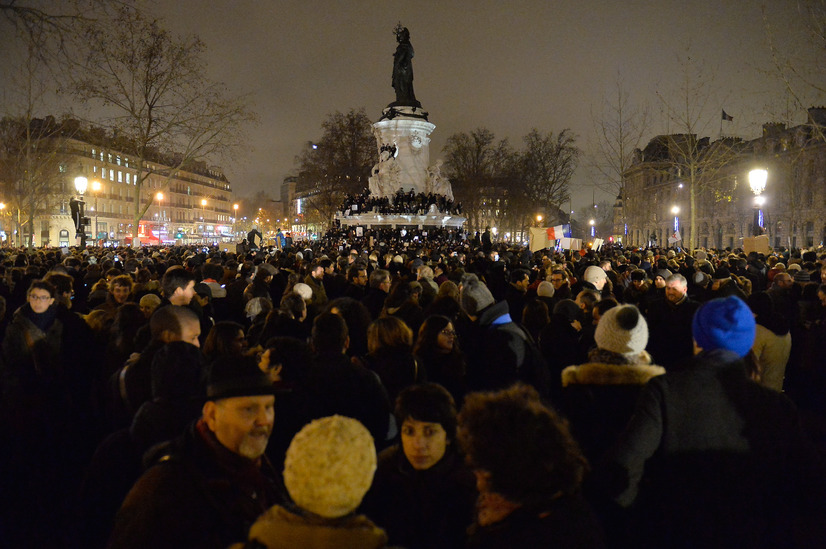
x,y
401,203
415,391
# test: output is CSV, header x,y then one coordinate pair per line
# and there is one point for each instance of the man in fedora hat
x,y
206,487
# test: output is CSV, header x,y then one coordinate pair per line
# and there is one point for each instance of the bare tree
x,y
619,129
698,163
165,111
478,168
336,165
545,168
31,175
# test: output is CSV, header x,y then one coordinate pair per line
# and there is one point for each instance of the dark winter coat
x,y
718,461
428,509
566,523
598,400
197,494
670,342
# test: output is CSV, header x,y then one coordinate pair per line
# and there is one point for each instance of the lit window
x,y
120,176
110,157
111,175
94,169
94,153
101,156
103,173
62,168
117,160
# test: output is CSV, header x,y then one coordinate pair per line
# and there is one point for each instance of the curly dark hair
x,y
524,445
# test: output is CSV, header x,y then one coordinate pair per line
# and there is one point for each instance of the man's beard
x,y
254,444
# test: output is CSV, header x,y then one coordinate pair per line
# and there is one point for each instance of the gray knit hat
x,y
622,330
475,295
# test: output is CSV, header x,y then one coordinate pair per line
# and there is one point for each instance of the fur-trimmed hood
x,y
599,373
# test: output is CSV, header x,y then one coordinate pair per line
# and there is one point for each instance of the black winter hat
x,y
235,376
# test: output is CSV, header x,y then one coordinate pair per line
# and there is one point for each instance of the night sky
x,y
508,66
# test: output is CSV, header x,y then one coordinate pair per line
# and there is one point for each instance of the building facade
x,y
658,201
193,206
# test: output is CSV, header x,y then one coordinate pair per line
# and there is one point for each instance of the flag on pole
x,y
555,233
727,117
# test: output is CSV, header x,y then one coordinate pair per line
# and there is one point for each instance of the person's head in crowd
x,y
586,299
676,288
519,448
535,315
285,359
426,414
357,317
316,270
120,287
601,307
783,281
520,279
357,274
239,407
178,372
178,285
40,296
725,324
149,303
388,332
638,279
558,278
225,338
596,276
175,323
257,308
660,277
450,289
294,306
622,330
64,286
380,280
475,296
203,294
212,272
570,313
329,335
329,467
128,320
545,289
436,335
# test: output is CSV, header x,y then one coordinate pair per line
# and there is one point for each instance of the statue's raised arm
x,y
403,69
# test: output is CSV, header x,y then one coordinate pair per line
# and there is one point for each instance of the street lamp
x,y
81,184
592,223
757,182
675,210
539,220
96,189
159,196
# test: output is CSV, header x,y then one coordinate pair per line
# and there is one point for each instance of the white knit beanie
x,y
330,465
622,330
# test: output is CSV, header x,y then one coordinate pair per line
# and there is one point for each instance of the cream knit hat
x,y
622,330
330,465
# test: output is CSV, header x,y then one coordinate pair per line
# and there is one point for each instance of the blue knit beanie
x,y
725,323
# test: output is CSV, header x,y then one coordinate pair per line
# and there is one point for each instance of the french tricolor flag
x,y
555,233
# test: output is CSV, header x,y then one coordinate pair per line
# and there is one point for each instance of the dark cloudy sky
x,y
508,66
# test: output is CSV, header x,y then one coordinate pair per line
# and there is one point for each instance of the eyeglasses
x,y
448,333
40,297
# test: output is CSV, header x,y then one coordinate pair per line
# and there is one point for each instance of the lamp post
x,y
159,196
234,219
538,220
81,184
96,189
2,217
757,182
675,210
203,217
592,223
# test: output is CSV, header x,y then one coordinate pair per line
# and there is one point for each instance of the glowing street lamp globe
x,y
757,180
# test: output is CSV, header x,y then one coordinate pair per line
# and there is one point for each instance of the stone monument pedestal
x,y
408,130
